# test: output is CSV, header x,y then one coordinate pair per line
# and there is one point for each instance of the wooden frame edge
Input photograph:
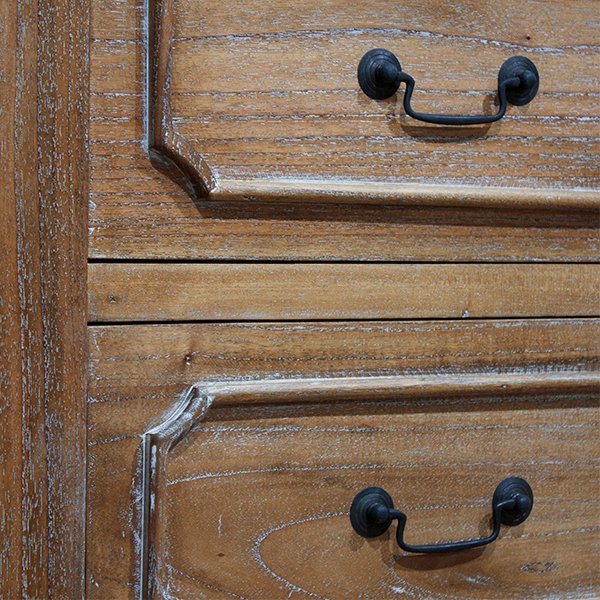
x,y
44,141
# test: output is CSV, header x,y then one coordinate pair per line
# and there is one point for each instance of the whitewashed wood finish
x,y
44,180
137,212
139,372
140,369
184,292
472,401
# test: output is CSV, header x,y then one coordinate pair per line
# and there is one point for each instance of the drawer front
x,y
259,106
241,485
267,95
253,501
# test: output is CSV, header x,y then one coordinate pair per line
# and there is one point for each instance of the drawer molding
x,y
179,158
159,441
169,151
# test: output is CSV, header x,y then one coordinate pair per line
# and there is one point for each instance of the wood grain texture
x,y
251,495
63,115
262,468
21,409
43,103
138,373
137,212
282,107
186,292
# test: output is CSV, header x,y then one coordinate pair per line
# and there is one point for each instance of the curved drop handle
x,y
380,76
372,513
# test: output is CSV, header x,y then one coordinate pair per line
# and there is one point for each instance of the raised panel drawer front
x,y
262,100
224,458
252,501
228,130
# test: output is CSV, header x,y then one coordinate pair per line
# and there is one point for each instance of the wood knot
x,y
539,567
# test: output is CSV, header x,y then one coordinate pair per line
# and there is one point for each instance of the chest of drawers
x,y
352,298
296,291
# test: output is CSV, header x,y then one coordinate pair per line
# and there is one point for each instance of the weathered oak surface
x,y
43,249
275,492
185,292
145,367
136,213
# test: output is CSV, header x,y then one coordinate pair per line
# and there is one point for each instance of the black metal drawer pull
x,y
372,513
380,76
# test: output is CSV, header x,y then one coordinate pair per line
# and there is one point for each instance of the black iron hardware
x,y
380,76
372,513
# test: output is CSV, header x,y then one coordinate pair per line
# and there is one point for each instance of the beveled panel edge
x,y
347,192
169,151
176,157
201,397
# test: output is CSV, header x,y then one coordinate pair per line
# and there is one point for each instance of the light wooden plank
x,y
185,292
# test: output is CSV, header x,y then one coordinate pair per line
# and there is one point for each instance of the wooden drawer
x,y
260,108
266,96
252,501
242,484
